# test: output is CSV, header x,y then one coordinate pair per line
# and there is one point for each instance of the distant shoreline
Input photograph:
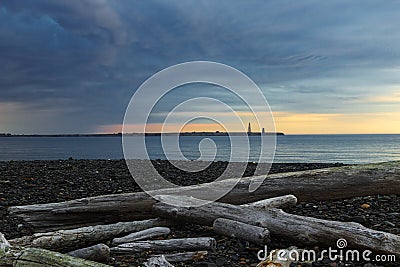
x,y
146,134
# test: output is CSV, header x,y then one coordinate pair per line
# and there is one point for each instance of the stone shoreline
x,y
31,182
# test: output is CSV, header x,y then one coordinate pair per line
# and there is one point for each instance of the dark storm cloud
x,y
83,59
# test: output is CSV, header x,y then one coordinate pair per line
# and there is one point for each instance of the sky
x,y
324,66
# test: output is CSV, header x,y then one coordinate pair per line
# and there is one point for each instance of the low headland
x,y
216,133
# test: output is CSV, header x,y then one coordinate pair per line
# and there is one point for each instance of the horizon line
x,y
194,132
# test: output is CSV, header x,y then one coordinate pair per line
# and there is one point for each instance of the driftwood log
x,y
196,243
141,235
98,253
34,257
304,230
323,184
184,256
65,240
160,261
282,202
255,234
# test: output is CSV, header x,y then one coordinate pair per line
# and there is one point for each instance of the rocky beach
x,y
33,182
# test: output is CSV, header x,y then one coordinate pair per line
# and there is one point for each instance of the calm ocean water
x,y
290,148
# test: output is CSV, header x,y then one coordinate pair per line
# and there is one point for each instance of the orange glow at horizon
x,y
292,123
362,123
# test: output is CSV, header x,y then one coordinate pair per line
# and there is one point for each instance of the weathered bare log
x,y
64,240
86,211
196,243
323,184
141,235
98,253
301,229
159,261
34,257
255,234
281,202
184,256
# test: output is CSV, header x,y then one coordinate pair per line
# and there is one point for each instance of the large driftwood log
x,y
64,240
255,234
294,227
184,256
34,257
141,235
98,253
196,243
322,184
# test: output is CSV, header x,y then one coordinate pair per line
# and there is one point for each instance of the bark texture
x,y
254,234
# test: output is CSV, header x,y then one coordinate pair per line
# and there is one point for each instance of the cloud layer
x,y
72,66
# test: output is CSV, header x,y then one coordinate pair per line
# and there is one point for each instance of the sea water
x,y
290,148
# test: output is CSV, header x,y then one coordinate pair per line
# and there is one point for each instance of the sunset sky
x,y
324,66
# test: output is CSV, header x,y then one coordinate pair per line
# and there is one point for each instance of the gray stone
x,y
359,219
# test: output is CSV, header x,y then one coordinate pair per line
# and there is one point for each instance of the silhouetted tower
x,y
249,128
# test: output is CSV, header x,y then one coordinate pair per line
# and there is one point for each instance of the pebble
x,y
220,261
365,206
205,264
